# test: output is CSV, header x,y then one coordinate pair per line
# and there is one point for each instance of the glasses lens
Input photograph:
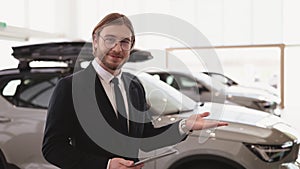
x,y
126,45
111,42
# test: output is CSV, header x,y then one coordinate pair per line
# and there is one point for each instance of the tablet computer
x,y
154,157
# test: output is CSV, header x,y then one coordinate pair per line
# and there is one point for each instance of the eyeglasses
x,y
111,42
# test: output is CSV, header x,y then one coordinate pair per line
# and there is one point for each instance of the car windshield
x,y
209,82
222,78
163,98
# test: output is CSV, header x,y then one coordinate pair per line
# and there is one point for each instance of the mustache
x,y
117,54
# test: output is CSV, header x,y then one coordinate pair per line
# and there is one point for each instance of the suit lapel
x,y
132,97
103,102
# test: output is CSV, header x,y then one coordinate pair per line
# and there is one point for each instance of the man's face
x,y
109,47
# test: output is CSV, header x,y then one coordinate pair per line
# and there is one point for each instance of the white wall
x,y
224,22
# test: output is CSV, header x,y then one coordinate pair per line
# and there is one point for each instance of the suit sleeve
x,y
60,123
154,138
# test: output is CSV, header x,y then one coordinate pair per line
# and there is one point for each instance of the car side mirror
x,y
137,55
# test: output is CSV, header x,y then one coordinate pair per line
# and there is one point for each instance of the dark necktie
x,y
120,106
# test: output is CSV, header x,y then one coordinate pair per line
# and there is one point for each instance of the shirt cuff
x,y
182,128
108,163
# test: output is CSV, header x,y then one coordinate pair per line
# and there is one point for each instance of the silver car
x,y
199,87
253,139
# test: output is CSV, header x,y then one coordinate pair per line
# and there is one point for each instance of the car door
x,y
24,99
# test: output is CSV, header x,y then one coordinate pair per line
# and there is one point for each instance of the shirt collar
x,y
103,74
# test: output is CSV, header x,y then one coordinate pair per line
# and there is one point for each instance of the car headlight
x,y
266,104
298,159
270,153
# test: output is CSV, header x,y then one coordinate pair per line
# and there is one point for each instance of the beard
x,y
110,64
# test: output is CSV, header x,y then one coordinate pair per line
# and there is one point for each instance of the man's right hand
x,y
120,163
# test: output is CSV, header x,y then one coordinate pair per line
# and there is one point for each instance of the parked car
x,y
222,78
259,86
202,87
253,139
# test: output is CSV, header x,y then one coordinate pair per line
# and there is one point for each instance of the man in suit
x,y
97,118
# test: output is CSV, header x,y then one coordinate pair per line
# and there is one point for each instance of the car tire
x,y
196,162
4,164
208,165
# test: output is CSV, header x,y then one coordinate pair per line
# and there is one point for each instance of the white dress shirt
x,y
105,79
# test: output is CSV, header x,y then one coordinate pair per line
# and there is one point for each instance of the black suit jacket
x,y
81,127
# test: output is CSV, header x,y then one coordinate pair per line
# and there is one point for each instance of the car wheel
x,y
207,165
4,164
196,162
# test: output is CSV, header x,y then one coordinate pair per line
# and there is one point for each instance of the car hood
x,y
240,115
235,114
252,92
261,86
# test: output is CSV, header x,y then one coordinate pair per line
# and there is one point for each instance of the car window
x,y
37,93
220,78
11,87
167,78
32,91
162,98
187,83
170,80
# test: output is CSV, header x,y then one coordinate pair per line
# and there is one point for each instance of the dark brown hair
x,y
114,19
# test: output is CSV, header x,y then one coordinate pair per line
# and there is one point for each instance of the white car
x,y
202,87
253,139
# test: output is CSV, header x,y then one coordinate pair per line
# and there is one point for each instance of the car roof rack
x,y
67,52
